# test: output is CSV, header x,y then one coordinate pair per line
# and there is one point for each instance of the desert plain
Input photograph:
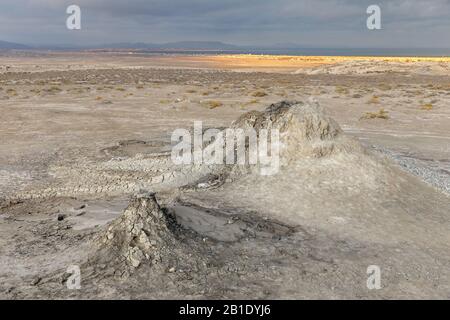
x,y
86,177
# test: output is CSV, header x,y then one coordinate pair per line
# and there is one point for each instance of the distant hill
x,y
11,45
205,45
181,45
125,45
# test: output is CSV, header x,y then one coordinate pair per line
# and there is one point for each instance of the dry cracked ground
x,y
86,180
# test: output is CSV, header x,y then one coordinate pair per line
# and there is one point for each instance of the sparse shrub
x,y
259,94
11,92
366,90
252,101
427,106
77,90
381,114
374,100
53,89
384,87
341,90
214,104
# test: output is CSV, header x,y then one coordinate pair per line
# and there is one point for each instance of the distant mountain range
x,y
11,46
181,45
217,46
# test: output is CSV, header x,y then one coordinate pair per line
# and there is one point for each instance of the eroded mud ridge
x,y
197,231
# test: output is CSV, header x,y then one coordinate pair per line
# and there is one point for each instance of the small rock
x,y
61,217
203,185
172,270
36,281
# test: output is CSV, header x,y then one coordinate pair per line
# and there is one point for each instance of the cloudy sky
x,y
322,23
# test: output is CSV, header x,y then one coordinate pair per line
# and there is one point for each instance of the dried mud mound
x,y
305,130
326,178
309,140
145,235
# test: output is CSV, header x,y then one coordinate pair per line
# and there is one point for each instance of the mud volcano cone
x,y
327,180
145,235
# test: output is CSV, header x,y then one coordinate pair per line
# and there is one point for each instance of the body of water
x,y
317,52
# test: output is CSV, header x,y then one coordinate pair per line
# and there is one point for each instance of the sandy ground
x,y
81,134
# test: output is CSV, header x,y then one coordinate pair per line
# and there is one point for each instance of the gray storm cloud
x,y
406,23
